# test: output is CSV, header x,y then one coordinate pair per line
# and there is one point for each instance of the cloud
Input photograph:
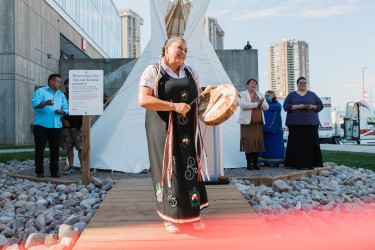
x,y
327,12
301,9
270,12
234,4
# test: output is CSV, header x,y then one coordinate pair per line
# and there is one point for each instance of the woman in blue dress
x,y
272,133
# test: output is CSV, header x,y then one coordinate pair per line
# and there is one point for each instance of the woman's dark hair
x,y
169,42
274,99
248,81
301,78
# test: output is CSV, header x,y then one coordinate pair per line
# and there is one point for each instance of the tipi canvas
x,y
118,138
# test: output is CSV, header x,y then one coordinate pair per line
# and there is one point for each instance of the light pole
x,y
363,82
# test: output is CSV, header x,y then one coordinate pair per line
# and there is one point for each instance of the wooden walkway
x,y
127,219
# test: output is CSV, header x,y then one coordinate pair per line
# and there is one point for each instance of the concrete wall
x,y
240,65
29,52
7,70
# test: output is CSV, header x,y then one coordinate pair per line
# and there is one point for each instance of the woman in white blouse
x,y
251,118
165,90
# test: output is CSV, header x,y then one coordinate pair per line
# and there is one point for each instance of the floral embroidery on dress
x,y
184,95
159,193
185,143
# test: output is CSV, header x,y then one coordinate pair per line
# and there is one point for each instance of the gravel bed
x,y
37,215
29,170
100,174
265,171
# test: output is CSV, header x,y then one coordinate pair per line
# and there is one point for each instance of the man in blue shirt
x,y
50,105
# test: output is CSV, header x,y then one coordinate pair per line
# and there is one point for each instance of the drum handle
x,y
206,90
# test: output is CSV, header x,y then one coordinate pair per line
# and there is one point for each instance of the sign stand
x,y
86,99
85,150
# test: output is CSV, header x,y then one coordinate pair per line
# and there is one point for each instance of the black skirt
x,y
303,148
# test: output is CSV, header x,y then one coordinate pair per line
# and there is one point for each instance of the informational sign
x,y
85,92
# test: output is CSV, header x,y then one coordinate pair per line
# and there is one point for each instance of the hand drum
x,y
218,105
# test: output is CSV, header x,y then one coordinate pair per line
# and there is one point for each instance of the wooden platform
x,y
127,219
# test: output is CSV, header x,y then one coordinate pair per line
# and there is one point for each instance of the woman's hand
x,y
181,108
298,106
310,107
261,101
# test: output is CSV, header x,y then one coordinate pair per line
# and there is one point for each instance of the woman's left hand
x,y
261,101
310,107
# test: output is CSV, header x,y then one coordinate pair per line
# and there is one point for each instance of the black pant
x,y
41,136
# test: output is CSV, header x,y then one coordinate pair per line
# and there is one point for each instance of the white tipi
x,y
118,138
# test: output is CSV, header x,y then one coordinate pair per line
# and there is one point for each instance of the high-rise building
x,y
214,32
288,59
131,33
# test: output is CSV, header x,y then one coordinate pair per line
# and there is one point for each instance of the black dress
x,y
174,158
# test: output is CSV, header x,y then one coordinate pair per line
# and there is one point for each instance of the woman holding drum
x,y
251,118
174,144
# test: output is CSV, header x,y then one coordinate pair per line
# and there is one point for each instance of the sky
x,y
340,34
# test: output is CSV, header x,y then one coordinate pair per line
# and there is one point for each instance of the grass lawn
x,y
16,147
22,156
350,159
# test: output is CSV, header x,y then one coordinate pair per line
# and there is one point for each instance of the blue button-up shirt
x,y
46,116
